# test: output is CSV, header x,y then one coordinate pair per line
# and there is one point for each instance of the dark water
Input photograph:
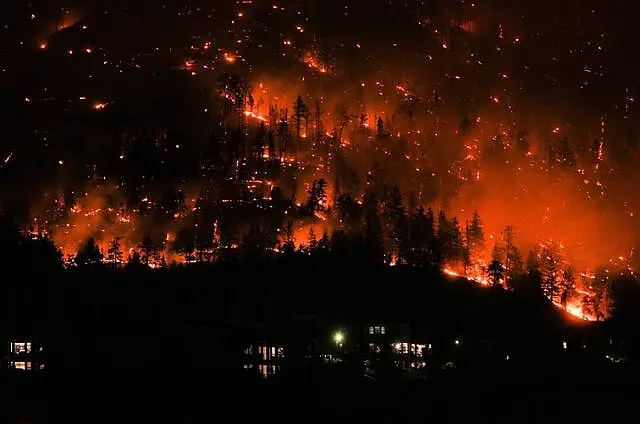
x,y
163,398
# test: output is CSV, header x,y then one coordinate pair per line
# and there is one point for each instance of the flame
x,y
573,307
311,60
250,114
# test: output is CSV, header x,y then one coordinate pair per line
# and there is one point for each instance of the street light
x,y
338,337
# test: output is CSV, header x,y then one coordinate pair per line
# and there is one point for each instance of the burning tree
x,y
317,200
475,236
496,272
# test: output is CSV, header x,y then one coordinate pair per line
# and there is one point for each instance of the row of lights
x,y
339,337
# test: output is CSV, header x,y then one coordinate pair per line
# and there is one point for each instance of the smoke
x,y
423,89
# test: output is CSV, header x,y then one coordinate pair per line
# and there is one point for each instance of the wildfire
x,y
573,307
88,220
252,115
314,63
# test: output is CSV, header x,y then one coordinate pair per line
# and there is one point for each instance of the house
x,y
395,340
265,358
377,337
24,354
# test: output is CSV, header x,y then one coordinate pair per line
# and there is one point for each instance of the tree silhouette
x,y
550,263
134,261
283,135
312,240
43,252
380,127
289,245
255,242
496,272
348,210
184,244
423,247
513,259
602,300
234,90
393,218
475,236
371,229
203,242
148,250
450,237
89,254
324,242
567,286
114,254
317,201
300,111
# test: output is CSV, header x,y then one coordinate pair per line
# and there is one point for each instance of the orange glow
x,y
573,308
252,115
517,188
312,61
68,19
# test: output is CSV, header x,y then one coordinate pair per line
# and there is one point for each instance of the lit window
x,y
21,347
248,366
377,330
418,349
382,330
265,353
401,347
273,352
21,365
370,330
280,353
248,350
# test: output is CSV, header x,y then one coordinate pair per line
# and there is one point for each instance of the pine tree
x,y
312,240
550,268
89,254
300,111
567,286
475,236
496,272
114,254
148,249
317,201
394,229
